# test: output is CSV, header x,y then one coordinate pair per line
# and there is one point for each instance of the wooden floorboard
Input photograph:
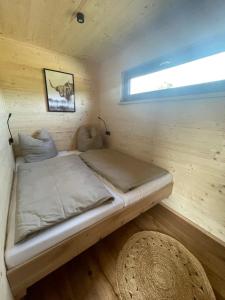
x,y
92,276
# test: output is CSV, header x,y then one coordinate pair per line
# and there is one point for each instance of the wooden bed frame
x,y
26,274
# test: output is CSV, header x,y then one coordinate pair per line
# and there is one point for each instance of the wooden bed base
x,y
26,274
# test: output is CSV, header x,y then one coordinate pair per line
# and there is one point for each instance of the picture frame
x,y
60,91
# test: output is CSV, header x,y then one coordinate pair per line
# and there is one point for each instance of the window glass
x,y
204,70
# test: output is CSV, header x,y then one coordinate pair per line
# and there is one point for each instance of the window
x,y
188,72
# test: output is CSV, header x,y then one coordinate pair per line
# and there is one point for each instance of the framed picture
x,y
59,91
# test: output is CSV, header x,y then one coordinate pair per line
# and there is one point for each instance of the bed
x,y
32,259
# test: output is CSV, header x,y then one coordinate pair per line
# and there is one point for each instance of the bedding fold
x,y
123,171
50,191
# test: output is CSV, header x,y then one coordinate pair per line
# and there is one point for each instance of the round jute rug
x,y
155,266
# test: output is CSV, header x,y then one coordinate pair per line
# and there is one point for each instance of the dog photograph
x,y
59,91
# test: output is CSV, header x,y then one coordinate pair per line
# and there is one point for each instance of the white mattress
x,y
16,254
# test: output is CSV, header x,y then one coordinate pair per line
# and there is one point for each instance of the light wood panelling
x,y
22,80
184,135
6,174
92,275
109,25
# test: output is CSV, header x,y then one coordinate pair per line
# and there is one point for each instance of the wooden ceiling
x,y
109,25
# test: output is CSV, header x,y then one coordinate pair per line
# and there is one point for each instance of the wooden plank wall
x,y
22,81
6,175
184,135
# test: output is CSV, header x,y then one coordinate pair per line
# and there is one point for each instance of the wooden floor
x,y
91,275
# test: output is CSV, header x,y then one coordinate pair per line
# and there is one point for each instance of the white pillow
x,y
37,149
89,137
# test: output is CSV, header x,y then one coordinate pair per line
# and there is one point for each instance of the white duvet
x,y
50,191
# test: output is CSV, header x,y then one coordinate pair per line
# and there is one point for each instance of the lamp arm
x,y
107,132
11,141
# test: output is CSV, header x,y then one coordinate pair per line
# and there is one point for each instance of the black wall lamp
x,y
11,141
107,132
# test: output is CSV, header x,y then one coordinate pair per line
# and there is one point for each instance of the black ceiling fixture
x,y
80,17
